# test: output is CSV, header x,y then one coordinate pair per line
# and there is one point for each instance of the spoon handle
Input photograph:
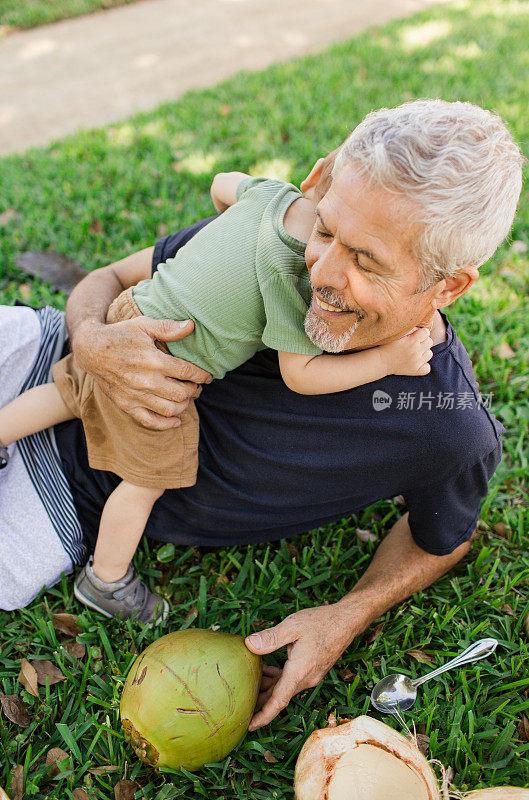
x,y
476,651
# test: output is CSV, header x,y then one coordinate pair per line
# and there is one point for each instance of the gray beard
x,y
319,334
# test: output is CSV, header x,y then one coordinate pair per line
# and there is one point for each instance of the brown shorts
x,y
115,442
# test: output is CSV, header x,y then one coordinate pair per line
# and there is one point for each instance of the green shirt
x,y
242,279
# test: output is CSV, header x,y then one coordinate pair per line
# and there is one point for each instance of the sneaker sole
x,y
85,601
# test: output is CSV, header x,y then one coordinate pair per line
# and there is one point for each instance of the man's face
x,y
360,261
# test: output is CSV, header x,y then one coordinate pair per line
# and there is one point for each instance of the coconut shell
x,y
3,795
499,793
318,764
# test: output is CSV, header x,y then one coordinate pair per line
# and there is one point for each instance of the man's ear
x,y
313,177
455,286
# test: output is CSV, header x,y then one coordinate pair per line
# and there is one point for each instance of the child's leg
x,y
35,410
122,524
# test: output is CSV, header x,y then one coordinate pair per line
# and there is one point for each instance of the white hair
x,y
457,163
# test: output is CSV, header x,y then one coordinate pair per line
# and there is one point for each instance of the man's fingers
x,y
269,669
287,686
167,330
272,638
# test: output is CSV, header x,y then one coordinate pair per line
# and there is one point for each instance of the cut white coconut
x,y
362,760
3,795
365,759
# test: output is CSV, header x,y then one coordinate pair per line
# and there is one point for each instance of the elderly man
x,y
421,196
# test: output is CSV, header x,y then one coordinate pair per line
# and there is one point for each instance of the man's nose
x,y
328,269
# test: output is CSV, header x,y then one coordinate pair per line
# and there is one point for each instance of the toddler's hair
x,y
460,167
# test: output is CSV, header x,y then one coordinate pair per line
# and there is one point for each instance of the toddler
x,y
244,282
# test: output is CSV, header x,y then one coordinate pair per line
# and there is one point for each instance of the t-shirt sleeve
x,y
270,185
285,311
444,515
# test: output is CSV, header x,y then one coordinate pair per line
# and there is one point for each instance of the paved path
x,y
100,68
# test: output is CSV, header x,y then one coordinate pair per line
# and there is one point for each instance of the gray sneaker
x,y
129,597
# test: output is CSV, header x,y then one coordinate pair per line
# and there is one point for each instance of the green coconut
x,y
189,698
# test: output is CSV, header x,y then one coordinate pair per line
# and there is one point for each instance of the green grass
x,y
131,181
30,13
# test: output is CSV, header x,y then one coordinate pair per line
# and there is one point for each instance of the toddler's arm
x,y
224,189
327,373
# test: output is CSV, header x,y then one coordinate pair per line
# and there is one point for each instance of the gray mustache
x,y
329,295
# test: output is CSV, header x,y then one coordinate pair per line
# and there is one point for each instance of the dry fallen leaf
x,y
331,721
366,536
526,625
66,623
501,529
125,790
17,783
225,110
75,648
270,757
293,552
507,609
80,794
28,677
53,759
191,614
424,658
47,671
346,674
523,729
103,770
24,290
373,635
162,229
503,351
422,741
96,226
15,709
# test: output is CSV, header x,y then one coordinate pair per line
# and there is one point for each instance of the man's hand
x,y
151,386
315,640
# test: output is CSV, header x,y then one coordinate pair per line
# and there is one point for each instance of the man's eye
x,y
358,264
323,234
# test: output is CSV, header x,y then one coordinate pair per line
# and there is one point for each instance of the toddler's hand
x,y
410,354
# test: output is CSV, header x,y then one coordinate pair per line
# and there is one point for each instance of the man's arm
x,y
317,637
153,387
224,189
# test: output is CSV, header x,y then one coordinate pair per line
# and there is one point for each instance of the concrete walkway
x,y
100,68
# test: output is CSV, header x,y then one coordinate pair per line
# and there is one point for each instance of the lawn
x,y
30,13
100,195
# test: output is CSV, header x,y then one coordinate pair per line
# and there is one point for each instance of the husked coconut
x,y
365,759
362,760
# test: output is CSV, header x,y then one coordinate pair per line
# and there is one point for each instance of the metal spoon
x,y
398,692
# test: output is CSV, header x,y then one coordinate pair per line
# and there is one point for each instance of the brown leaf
x,y
501,529
157,202
66,623
28,677
162,229
191,614
96,226
526,625
7,215
523,729
17,783
225,110
482,525
47,671
366,536
421,740
331,721
293,552
419,655
103,770
15,710
53,759
503,351
270,757
57,269
80,794
507,609
346,674
125,790
75,648
373,635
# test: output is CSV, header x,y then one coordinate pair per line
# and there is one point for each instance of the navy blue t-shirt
x,y
273,463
